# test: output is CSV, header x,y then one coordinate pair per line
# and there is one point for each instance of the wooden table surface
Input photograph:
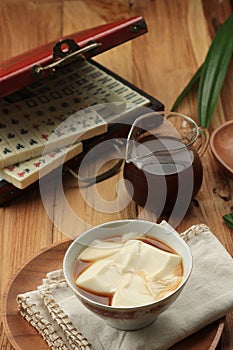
x,y
161,63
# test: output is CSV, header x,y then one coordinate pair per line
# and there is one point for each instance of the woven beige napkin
x,y
207,297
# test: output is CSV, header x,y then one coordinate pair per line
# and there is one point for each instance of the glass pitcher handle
x,y
203,140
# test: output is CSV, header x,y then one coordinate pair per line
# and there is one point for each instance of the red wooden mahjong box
x,y
56,102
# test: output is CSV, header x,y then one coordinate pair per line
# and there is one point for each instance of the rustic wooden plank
x,y
90,14
28,24
24,25
216,13
161,63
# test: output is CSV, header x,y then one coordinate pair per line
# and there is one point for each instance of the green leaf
x,y
214,71
187,88
228,218
211,74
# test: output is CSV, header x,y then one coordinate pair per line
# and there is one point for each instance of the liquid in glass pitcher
x,y
163,163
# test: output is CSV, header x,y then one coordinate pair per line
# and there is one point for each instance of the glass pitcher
x,y
163,163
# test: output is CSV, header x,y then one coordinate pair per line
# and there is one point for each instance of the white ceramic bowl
x,y
127,318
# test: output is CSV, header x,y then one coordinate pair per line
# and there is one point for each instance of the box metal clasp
x,y
63,52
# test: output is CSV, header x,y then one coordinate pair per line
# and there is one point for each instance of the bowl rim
x,y
125,308
213,148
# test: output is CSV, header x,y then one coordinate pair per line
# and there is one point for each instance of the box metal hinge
x,y
135,28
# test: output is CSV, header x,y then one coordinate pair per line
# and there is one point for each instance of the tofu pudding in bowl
x,y
128,271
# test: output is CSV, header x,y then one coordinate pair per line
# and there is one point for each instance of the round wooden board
x,y
24,337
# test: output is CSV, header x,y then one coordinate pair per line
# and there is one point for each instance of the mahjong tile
x,y
87,101
43,136
113,84
56,95
14,121
75,75
9,134
3,141
17,122
25,173
37,127
6,109
19,107
58,157
23,132
4,119
58,139
24,117
76,101
89,123
2,164
81,125
106,96
51,109
87,68
63,109
96,74
3,126
89,87
58,119
76,98
44,98
8,155
80,83
129,95
117,87
33,143
121,89
50,125
31,103
22,150
140,100
20,175
68,127
63,105
68,90
51,112
67,106
38,113
111,112
104,80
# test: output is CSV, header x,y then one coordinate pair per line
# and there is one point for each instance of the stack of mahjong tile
x,y
46,121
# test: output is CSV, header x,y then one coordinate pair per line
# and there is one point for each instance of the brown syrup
x,y
106,299
158,186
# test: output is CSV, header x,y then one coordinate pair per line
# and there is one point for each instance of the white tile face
x,y
58,110
25,173
7,154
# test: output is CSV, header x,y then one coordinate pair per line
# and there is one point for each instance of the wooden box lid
x,y
24,69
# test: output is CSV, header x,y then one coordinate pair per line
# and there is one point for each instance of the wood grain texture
x,y
161,63
19,331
